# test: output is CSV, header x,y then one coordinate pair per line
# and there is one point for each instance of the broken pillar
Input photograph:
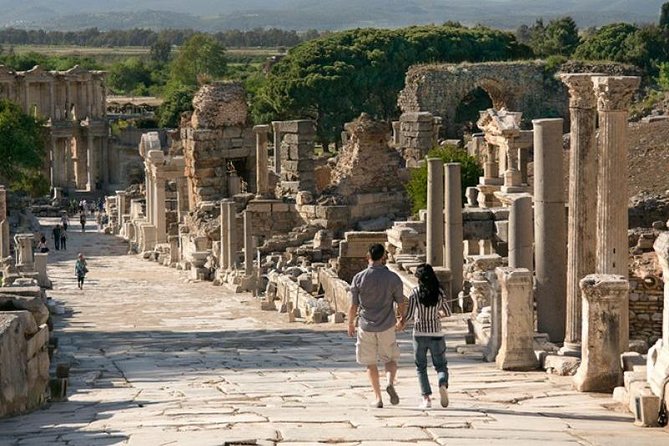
x,y
4,224
550,228
582,215
516,350
262,173
453,233
435,212
614,97
521,228
120,209
603,301
40,268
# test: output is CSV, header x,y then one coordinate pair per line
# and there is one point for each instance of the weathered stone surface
x,y
219,104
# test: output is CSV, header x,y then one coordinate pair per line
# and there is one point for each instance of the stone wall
x,y
646,305
335,290
419,132
353,252
296,153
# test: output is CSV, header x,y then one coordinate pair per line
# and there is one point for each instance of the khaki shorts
x,y
373,346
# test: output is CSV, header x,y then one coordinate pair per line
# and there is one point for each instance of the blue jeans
x,y
437,347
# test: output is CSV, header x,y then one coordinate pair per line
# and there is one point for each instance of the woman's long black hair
x,y
428,285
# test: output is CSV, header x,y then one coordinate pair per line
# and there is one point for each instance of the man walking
x,y
374,291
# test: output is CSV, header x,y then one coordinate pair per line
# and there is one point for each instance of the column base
x,y
517,360
570,349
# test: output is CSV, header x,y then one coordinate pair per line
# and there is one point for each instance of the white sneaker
x,y
443,393
425,403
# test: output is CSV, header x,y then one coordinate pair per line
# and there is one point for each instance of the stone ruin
x,y
25,347
512,249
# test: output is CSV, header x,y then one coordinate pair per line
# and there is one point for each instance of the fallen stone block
x,y
561,365
629,359
647,408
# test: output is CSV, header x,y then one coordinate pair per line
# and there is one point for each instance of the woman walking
x,y
427,304
80,270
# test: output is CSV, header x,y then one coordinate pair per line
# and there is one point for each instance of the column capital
x,y
514,276
615,93
581,93
601,287
261,128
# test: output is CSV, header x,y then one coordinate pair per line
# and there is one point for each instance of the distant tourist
x,y
63,239
82,220
80,269
374,293
41,246
64,220
427,304
55,234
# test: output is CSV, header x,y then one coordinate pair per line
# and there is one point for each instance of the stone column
x,y
521,252
396,133
182,197
262,175
581,234
249,247
56,167
660,370
224,263
120,207
603,300
435,212
278,137
4,224
90,164
41,260
523,161
105,162
490,167
148,192
512,176
159,209
550,228
516,351
614,96
453,243
231,214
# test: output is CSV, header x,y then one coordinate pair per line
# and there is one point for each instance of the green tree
x,y
664,15
131,74
21,144
558,38
178,98
200,57
663,77
470,171
160,52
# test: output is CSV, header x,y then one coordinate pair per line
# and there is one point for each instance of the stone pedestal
x,y
550,228
603,298
521,229
262,174
23,245
614,97
516,350
581,234
658,373
40,268
435,212
453,243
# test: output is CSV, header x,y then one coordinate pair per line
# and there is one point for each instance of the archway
x,y
467,111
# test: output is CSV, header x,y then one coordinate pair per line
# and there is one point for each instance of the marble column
x,y
603,299
231,238
104,165
512,176
516,350
90,163
262,174
224,263
659,371
582,223
614,97
4,224
278,137
435,212
453,232
550,228
160,221
521,229
490,167
120,208
249,248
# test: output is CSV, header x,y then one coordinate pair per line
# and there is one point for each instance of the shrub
x,y
470,172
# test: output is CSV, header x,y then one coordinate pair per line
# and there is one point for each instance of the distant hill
x,y
211,15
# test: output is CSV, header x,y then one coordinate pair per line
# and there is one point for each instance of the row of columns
x,y
78,162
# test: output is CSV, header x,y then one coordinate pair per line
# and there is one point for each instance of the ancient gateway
x,y
73,104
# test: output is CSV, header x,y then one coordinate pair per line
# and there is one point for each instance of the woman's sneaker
x,y
425,403
443,394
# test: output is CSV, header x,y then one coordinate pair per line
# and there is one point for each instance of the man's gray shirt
x,y
374,290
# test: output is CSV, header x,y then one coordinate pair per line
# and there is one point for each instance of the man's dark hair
x,y
376,252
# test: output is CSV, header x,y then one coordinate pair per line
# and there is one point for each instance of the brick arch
x,y
518,86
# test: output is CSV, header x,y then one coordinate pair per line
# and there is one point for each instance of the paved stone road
x,y
157,361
